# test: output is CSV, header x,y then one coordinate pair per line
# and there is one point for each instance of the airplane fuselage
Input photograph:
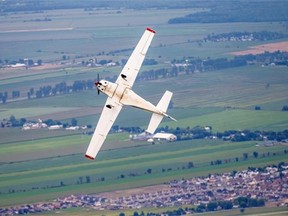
x,y
125,96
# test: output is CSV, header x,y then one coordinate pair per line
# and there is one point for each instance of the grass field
x,y
48,173
263,211
34,163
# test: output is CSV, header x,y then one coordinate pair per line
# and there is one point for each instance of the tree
x,y
38,94
122,214
15,94
30,62
39,62
80,180
12,119
4,97
31,91
190,165
226,204
74,122
255,154
201,208
149,171
242,202
245,156
179,211
212,206
257,108
22,121
261,202
285,108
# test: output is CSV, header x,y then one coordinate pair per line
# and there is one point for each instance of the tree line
x,y
243,202
27,62
61,88
185,65
238,11
36,6
188,133
14,122
200,132
241,36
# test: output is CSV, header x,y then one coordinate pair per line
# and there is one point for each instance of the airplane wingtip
x,y
89,157
151,30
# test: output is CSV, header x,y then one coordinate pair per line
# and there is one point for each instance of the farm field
x,y
273,47
40,165
46,175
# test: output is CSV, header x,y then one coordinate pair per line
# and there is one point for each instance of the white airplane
x,y
120,93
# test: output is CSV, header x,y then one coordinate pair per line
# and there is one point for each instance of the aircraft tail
x,y
161,106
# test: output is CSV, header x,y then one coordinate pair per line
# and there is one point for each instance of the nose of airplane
x,y
98,84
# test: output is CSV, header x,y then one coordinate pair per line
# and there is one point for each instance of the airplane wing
x,y
129,73
107,118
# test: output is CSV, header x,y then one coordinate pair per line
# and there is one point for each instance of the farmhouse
x,y
150,138
31,125
165,136
55,127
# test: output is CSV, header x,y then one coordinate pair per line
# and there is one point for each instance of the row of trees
x,y
246,156
238,11
61,88
253,36
187,133
199,132
27,62
189,165
4,96
14,122
242,202
186,65
190,64
36,6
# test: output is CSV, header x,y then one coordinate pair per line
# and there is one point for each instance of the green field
x,y
48,172
34,163
262,211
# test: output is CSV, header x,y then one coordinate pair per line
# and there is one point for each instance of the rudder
x,y
162,106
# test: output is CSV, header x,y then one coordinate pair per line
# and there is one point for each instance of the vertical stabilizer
x,y
154,122
164,102
162,107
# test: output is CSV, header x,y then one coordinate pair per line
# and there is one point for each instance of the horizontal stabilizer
x,y
161,106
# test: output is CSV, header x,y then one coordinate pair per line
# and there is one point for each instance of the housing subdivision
x,y
269,184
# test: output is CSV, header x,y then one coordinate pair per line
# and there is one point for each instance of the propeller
x,y
98,82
